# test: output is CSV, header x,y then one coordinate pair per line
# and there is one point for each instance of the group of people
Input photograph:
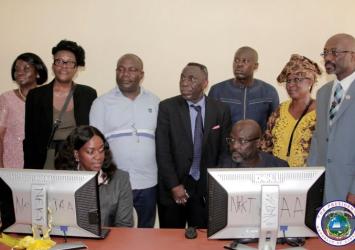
x,y
149,153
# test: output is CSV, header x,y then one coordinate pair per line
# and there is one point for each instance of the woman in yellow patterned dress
x,y
290,128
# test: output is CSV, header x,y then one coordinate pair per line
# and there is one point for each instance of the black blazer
x,y
174,145
39,120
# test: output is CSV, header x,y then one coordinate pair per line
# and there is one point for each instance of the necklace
x,y
21,95
60,94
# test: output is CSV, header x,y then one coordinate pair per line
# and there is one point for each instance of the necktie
x,y
198,135
338,94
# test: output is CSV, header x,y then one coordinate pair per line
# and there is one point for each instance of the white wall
x,y
168,34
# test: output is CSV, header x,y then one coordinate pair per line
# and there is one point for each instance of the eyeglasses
x,y
190,79
296,80
61,63
293,242
242,141
334,52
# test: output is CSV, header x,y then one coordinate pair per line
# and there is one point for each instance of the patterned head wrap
x,y
301,66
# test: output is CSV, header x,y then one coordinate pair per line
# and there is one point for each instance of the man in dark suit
x,y
190,138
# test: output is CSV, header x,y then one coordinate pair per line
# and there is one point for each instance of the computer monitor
x,y
261,202
68,200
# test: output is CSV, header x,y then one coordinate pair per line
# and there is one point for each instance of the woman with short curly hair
x,y
44,107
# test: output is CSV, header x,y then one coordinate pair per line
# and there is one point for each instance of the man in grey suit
x,y
333,140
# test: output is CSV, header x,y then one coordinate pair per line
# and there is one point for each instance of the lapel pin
x,y
347,97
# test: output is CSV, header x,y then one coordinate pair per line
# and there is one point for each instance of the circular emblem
x,y
334,223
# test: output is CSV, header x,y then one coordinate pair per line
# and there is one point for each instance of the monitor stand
x,y
39,211
269,224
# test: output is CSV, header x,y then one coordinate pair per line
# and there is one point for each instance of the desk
x,y
170,239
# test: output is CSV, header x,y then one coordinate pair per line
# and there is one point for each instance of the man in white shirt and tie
x,y
333,141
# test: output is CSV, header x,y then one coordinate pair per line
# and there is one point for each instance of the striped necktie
x,y
198,135
338,95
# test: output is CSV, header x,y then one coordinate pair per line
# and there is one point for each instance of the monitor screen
x,y
235,202
67,200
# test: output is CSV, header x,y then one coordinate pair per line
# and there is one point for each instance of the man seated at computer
x,y
87,149
243,146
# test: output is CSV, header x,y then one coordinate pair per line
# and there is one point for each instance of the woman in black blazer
x,y
44,104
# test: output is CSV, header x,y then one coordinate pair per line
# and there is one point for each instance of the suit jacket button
x,y
329,161
326,140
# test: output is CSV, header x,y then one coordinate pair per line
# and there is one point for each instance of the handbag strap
x,y
294,128
58,121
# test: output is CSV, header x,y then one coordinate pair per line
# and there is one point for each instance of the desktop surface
x,y
156,239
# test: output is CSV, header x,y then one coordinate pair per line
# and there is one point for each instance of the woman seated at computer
x,y
290,128
87,149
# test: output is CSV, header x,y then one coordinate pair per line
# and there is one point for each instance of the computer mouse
x,y
247,240
190,233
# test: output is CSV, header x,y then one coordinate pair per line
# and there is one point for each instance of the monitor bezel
x,y
89,178
217,200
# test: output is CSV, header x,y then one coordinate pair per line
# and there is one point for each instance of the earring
x,y
77,164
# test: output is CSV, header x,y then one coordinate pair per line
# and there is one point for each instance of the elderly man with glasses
x,y
333,140
243,146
